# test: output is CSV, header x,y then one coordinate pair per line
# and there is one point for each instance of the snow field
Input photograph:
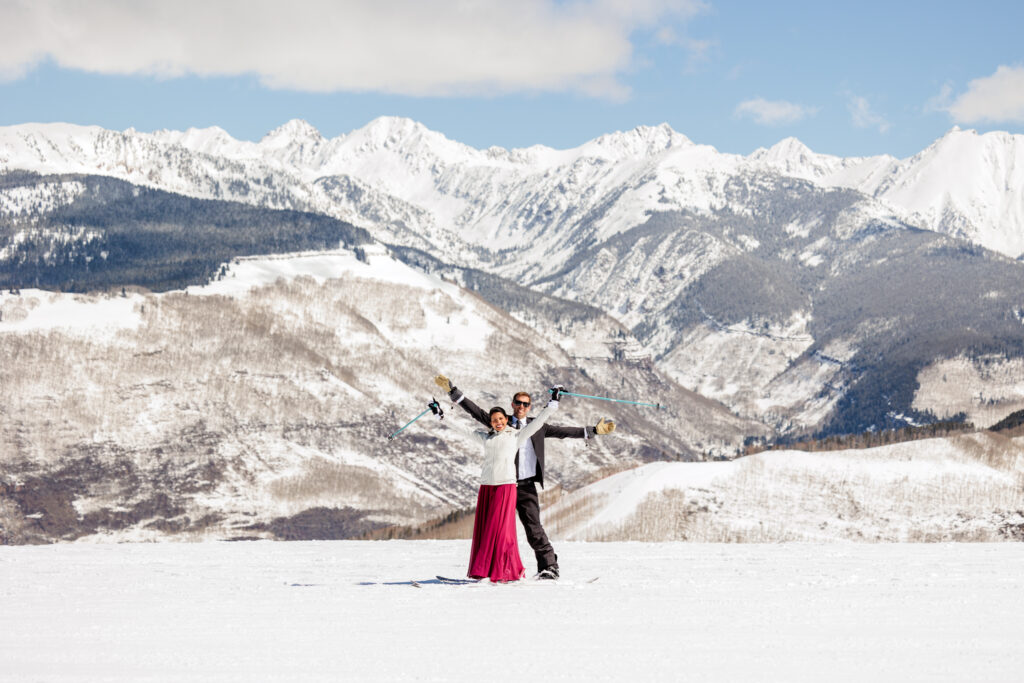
x,y
348,611
965,488
94,315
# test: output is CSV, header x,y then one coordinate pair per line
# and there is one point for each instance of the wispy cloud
x,y
863,115
941,101
410,47
772,112
698,51
995,98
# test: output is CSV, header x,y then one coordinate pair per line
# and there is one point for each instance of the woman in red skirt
x,y
495,551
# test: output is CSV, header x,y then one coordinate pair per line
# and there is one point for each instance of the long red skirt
x,y
495,552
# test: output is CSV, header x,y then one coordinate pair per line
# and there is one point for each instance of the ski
x,y
445,579
458,582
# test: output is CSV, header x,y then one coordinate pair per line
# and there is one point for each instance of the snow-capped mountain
x,y
965,184
645,224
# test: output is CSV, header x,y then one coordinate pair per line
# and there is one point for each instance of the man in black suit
x,y
530,467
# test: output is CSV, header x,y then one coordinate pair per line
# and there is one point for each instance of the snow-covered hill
x,y
258,405
964,488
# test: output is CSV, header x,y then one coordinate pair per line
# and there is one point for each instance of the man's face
x,y
521,406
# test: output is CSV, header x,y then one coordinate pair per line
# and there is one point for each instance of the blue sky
x,y
846,78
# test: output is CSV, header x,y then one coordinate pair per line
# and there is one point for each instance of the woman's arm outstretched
x,y
538,422
467,430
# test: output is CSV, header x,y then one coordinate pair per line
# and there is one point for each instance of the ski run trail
x,y
351,611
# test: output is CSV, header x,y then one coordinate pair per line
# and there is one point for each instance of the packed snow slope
x,y
964,488
259,405
330,611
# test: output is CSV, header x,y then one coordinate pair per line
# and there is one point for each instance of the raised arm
x,y
475,411
534,425
475,434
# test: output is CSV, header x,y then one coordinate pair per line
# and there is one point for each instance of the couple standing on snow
x,y
513,466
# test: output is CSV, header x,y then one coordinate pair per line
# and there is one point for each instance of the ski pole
x,y
615,400
432,407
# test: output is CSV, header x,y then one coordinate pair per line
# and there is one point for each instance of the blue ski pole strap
x,y
409,423
616,400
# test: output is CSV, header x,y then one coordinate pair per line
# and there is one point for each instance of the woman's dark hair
x,y
497,409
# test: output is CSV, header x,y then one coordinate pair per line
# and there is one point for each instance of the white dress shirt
x,y
527,455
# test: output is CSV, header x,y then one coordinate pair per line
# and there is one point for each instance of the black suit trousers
x,y
528,507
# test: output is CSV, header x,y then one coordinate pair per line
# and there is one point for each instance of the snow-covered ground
x,y
345,611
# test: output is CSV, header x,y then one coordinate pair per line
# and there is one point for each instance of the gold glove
x,y
605,427
443,382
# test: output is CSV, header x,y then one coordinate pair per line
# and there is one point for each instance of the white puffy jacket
x,y
500,448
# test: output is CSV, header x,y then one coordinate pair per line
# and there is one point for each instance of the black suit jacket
x,y
547,431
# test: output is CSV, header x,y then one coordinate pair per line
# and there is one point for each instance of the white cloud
x,y
864,116
773,113
407,47
999,97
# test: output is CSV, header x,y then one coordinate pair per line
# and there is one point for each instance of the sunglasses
x,y
521,403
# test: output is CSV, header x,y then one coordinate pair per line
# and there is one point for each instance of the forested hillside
x,y
112,234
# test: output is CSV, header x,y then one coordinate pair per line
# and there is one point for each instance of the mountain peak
x,y
642,141
400,133
998,138
954,142
791,147
970,136
393,131
787,150
394,124
296,130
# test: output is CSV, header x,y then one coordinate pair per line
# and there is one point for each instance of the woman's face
x,y
498,422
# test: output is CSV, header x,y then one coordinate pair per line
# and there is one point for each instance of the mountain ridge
x,y
927,187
